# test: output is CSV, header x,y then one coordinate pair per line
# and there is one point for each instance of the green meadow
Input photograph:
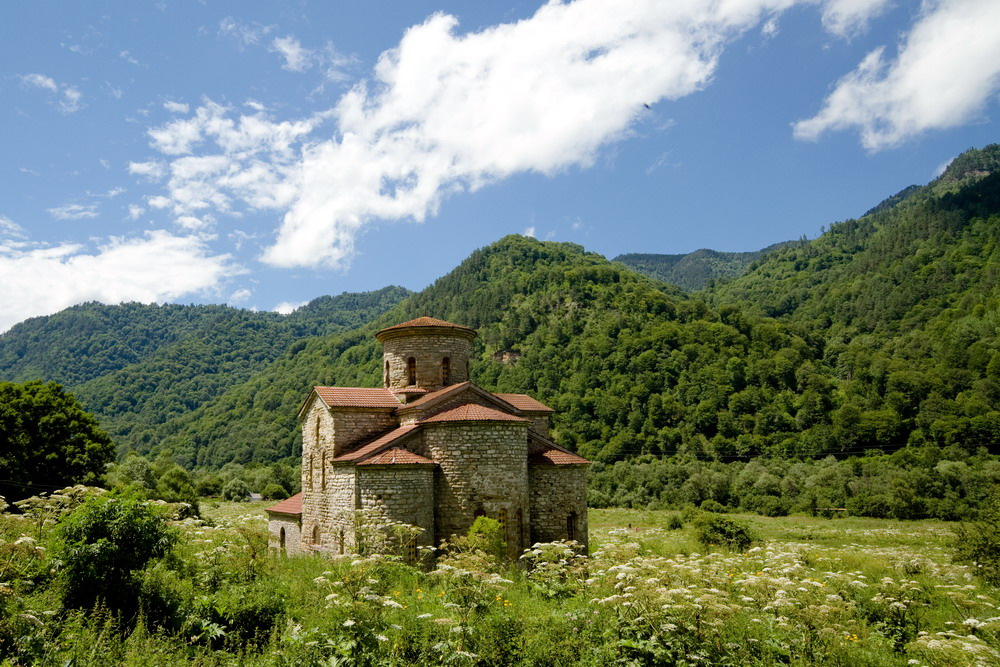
x,y
808,590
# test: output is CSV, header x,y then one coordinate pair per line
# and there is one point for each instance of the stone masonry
x,y
429,449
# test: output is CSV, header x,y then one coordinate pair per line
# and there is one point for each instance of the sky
x,y
263,154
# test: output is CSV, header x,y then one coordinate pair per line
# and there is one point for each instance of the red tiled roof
x,y
524,402
397,456
424,322
555,457
427,322
291,505
357,397
434,395
374,445
470,412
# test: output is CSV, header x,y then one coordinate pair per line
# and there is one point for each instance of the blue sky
x,y
263,154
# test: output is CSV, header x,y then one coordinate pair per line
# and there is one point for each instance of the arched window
x,y
502,518
478,513
571,526
309,480
411,371
281,541
385,375
316,432
445,372
322,473
315,536
341,541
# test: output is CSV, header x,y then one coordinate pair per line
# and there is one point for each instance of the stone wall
x,y
482,469
328,512
293,533
539,424
557,492
428,350
403,493
353,425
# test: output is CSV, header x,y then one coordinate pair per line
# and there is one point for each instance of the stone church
x,y
431,449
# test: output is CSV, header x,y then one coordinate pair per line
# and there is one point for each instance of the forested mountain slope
x,y
880,333
906,302
136,366
694,270
631,365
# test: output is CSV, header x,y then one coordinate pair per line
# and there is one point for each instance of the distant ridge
x,y
695,270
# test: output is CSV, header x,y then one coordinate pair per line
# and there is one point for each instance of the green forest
x,y
869,354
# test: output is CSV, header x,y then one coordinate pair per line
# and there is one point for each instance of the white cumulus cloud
x,y
40,81
843,17
287,307
297,57
10,229
446,112
155,268
945,71
74,212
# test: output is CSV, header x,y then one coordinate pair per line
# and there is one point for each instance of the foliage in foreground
x,y
813,592
47,440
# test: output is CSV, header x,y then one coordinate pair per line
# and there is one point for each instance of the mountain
x,y
880,333
695,270
632,365
136,365
905,301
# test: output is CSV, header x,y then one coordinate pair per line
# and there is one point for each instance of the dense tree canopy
x,y
47,441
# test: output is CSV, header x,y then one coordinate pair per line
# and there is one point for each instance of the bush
x,y
675,522
710,505
487,534
102,543
236,490
978,543
771,506
274,492
718,530
875,506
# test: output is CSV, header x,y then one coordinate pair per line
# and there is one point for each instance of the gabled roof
x,y
427,402
542,451
556,457
472,412
524,403
373,446
357,397
291,505
396,456
426,323
352,397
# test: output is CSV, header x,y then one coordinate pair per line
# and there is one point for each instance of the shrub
x,y
710,505
102,543
236,490
718,530
771,506
675,522
274,491
978,543
487,534
875,506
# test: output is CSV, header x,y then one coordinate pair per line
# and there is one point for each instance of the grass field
x,y
841,591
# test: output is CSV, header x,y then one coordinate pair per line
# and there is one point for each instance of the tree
x,y
47,441
236,490
102,543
